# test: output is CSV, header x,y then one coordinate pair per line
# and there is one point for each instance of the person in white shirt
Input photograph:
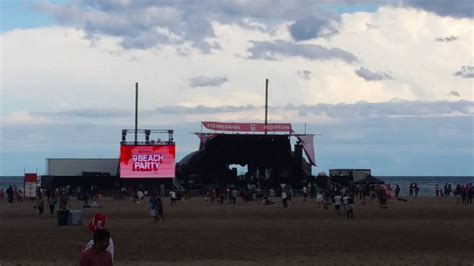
x,y
349,207
319,199
337,203
173,197
98,222
284,198
305,193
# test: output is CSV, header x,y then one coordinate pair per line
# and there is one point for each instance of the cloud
x,y
340,112
454,93
465,72
458,9
273,50
397,108
304,74
139,24
309,28
370,76
24,118
152,24
203,81
446,39
413,130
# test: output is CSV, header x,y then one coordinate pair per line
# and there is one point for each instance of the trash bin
x,y
62,217
75,217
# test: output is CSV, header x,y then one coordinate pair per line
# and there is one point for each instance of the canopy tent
x,y
369,180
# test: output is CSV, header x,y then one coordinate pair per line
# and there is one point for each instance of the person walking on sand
x,y
52,201
173,197
337,203
159,209
284,198
98,254
416,189
98,223
305,193
397,191
10,194
154,208
349,206
40,203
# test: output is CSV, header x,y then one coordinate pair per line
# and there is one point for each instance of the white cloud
x,y
402,41
465,72
55,76
24,118
65,71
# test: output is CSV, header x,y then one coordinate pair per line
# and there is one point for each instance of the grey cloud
x,y
304,74
90,113
393,108
273,50
370,26
454,93
309,28
458,8
140,24
201,109
396,108
370,76
465,72
147,24
446,39
203,81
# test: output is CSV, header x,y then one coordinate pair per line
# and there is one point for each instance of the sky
x,y
386,85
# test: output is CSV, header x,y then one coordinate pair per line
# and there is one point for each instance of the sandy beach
x,y
423,231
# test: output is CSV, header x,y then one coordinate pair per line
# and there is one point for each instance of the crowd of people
x,y
340,198
462,192
14,194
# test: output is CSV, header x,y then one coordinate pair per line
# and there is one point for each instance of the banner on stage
x,y
248,127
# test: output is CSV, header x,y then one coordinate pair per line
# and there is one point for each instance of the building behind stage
x,y
100,172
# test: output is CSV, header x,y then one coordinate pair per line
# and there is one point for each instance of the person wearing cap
x,y
98,223
98,254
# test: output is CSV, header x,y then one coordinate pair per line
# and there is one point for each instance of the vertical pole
x,y
266,105
136,112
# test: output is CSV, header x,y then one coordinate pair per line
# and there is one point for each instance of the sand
x,y
423,231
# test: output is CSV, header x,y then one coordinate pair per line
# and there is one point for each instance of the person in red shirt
x,y
97,255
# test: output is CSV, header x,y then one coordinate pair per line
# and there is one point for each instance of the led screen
x,y
147,161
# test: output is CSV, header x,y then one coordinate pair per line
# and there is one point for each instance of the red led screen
x,y
147,161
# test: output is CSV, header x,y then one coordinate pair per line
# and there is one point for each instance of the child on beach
x,y
266,201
